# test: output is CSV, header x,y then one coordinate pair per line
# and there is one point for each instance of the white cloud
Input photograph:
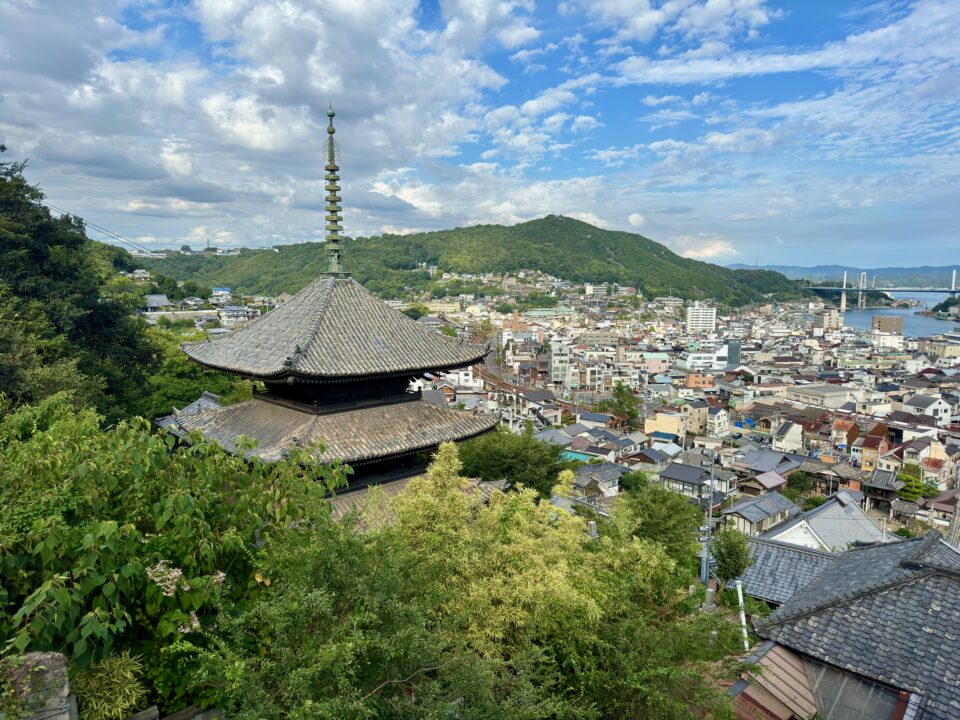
x,y
654,101
517,35
641,20
702,246
585,123
548,101
636,220
174,158
247,122
617,156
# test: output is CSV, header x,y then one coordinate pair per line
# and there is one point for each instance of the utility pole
x,y
705,560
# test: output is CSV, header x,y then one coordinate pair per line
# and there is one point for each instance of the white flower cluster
x,y
191,626
169,579
219,577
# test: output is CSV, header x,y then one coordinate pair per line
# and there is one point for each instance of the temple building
x,y
336,363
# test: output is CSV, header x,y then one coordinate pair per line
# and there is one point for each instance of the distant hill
x,y
925,276
561,246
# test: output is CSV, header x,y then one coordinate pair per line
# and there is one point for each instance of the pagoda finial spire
x,y
332,205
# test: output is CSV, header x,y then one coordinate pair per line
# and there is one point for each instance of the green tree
x,y
416,311
68,327
192,288
634,481
520,459
447,330
798,485
449,606
732,552
624,404
661,516
912,476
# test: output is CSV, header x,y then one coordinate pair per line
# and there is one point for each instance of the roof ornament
x,y
334,228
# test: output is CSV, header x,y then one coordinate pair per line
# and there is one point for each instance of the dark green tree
x,y
416,311
659,515
520,459
732,552
912,476
624,404
52,284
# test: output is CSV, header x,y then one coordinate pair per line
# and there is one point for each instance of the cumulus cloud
x,y
636,220
702,246
157,120
585,123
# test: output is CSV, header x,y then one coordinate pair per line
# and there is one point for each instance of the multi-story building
x,y
558,362
887,324
828,319
701,318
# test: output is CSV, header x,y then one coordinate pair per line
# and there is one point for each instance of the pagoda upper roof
x,y
333,329
354,436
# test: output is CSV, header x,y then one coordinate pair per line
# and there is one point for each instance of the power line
x,y
124,240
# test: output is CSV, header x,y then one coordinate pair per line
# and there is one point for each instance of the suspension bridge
x,y
861,288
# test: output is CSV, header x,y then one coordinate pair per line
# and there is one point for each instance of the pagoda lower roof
x,y
354,436
333,330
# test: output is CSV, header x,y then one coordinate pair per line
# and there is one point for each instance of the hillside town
x,y
589,360
769,391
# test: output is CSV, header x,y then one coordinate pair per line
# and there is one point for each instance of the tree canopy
x,y
454,607
61,330
520,459
732,552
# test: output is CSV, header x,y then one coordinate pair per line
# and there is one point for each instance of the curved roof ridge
x,y
796,548
324,304
926,544
845,598
334,330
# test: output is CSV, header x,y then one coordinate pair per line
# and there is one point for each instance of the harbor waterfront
x,y
913,325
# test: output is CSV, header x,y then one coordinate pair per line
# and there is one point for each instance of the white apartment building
x,y
558,362
701,318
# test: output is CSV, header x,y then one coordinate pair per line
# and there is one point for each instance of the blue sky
x,y
730,130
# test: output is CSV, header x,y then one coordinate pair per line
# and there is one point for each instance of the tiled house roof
x,y
756,509
333,329
885,612
354,436
780,569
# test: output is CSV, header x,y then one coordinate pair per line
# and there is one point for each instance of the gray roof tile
x,y
333,329
780,569
887,612
357,435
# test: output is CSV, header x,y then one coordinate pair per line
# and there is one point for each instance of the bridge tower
x,y
862,296
843,295
953,284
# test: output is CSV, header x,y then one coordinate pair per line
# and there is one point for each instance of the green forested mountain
x,y
561,246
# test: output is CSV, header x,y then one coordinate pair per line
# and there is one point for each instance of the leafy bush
x,y
111,689
125,540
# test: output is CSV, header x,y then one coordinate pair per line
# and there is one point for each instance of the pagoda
x,y
337,364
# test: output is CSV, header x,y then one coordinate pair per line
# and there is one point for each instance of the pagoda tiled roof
x,y
354,436
333,329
